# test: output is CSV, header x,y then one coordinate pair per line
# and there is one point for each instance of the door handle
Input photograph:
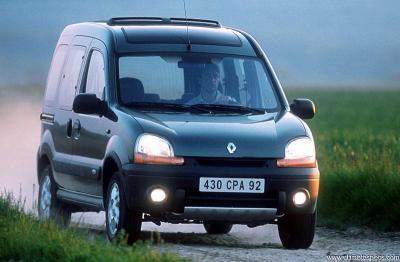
x,y
47,117
76,129
69,128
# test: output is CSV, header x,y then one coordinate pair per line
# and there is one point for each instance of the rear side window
x,y
54,74
95,80
70,77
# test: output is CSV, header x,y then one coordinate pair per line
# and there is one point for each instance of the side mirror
x,y
303,108
89,104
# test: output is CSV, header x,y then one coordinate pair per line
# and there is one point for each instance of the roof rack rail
x,y
161,21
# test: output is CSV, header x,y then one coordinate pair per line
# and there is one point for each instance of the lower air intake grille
x,y
229,162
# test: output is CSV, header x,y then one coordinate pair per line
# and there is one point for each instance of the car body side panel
x,y
61,129
90,140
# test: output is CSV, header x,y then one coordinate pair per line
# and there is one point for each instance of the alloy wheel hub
x,y
45,198
113,209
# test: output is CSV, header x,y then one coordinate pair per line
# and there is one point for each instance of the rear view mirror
x,y
303,108
89,104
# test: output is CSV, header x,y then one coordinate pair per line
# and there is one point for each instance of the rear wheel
x,y
217,228
117,214
49,207
297,230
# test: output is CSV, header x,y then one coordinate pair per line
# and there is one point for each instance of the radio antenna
x,y
189,47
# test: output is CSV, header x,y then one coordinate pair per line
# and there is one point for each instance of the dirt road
x,y
19,138
262,244
256,244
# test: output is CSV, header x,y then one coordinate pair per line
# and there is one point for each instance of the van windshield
x,y
193,80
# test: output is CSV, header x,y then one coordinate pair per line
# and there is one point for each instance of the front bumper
x,y
186,202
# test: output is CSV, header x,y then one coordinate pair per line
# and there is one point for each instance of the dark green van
x,y
174,120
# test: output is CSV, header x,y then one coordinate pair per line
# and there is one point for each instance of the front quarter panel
x,y
123,137
288,127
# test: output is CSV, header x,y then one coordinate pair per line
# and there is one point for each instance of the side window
x,y
55,74
95,80
70,77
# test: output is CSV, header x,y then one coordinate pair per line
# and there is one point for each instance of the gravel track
x,y
256,244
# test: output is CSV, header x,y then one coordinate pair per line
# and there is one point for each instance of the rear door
x,y
68,85
91,132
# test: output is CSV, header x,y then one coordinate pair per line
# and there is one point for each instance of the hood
x,y
192,135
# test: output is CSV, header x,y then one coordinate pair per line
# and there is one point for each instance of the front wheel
x,y
49,207
297,230
117,214
217,228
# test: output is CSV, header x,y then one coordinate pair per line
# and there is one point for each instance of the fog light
x,y
158,195
300,198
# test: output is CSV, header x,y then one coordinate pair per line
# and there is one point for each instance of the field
x,y
357,136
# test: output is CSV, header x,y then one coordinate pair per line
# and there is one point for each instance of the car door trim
x,y
89,201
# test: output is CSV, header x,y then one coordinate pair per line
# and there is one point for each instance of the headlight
x,y
152,149
299,152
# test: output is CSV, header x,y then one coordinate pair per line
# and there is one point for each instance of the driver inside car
x,y
209,93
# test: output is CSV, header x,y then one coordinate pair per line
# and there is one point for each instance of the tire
x,y
297,231
217,228
117,214
49,207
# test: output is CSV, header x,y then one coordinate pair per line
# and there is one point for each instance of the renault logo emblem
x,y
231,148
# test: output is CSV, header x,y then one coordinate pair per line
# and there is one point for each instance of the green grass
x,y
357,136
24,238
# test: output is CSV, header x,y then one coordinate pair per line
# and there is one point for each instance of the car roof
x,y
147,34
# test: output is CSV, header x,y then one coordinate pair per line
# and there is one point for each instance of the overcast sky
x,y
310,43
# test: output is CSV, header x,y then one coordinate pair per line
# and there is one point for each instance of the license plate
x,y
232,185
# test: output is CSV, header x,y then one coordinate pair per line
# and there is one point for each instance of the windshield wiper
x,y
169,106
156,105
229,108
203,108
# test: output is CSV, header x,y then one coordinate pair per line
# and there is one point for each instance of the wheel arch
x,y
45,153
116,155
44,157
111,165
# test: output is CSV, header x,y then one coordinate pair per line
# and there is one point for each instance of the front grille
x,y
230,162
266,200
